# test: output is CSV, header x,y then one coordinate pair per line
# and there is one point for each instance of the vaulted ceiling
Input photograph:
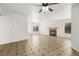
x,y
60,10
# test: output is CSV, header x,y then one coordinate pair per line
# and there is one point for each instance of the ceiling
x,y
62,9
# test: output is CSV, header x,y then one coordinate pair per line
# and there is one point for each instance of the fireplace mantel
x,y
51,28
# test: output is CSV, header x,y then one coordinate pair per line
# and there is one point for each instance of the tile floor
x,y
39,45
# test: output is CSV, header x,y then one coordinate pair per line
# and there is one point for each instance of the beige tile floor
x,y
39,45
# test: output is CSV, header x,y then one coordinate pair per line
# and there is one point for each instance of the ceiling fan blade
x,y
41,4
50,9
52,3
40,10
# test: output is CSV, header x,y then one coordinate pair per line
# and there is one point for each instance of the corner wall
x,y
12,28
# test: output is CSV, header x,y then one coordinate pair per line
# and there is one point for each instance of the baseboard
x,y
75,52
12,42
64,37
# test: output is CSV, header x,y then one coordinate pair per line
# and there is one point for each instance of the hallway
x,y
39,45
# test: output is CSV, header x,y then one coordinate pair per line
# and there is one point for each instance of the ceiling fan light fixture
x,y
45,8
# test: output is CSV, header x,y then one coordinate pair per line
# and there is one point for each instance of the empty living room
x,y
39,29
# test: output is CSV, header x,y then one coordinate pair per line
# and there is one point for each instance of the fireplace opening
x,y
53,31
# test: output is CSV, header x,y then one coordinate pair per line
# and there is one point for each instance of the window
x,y
68,28
35,28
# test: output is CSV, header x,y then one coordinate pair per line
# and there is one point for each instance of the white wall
x,y
4,29
44,24
12,28
75,27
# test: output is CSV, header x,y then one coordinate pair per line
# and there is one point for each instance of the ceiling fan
x,y
45,7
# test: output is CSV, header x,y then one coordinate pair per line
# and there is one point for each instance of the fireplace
x,y
53,31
